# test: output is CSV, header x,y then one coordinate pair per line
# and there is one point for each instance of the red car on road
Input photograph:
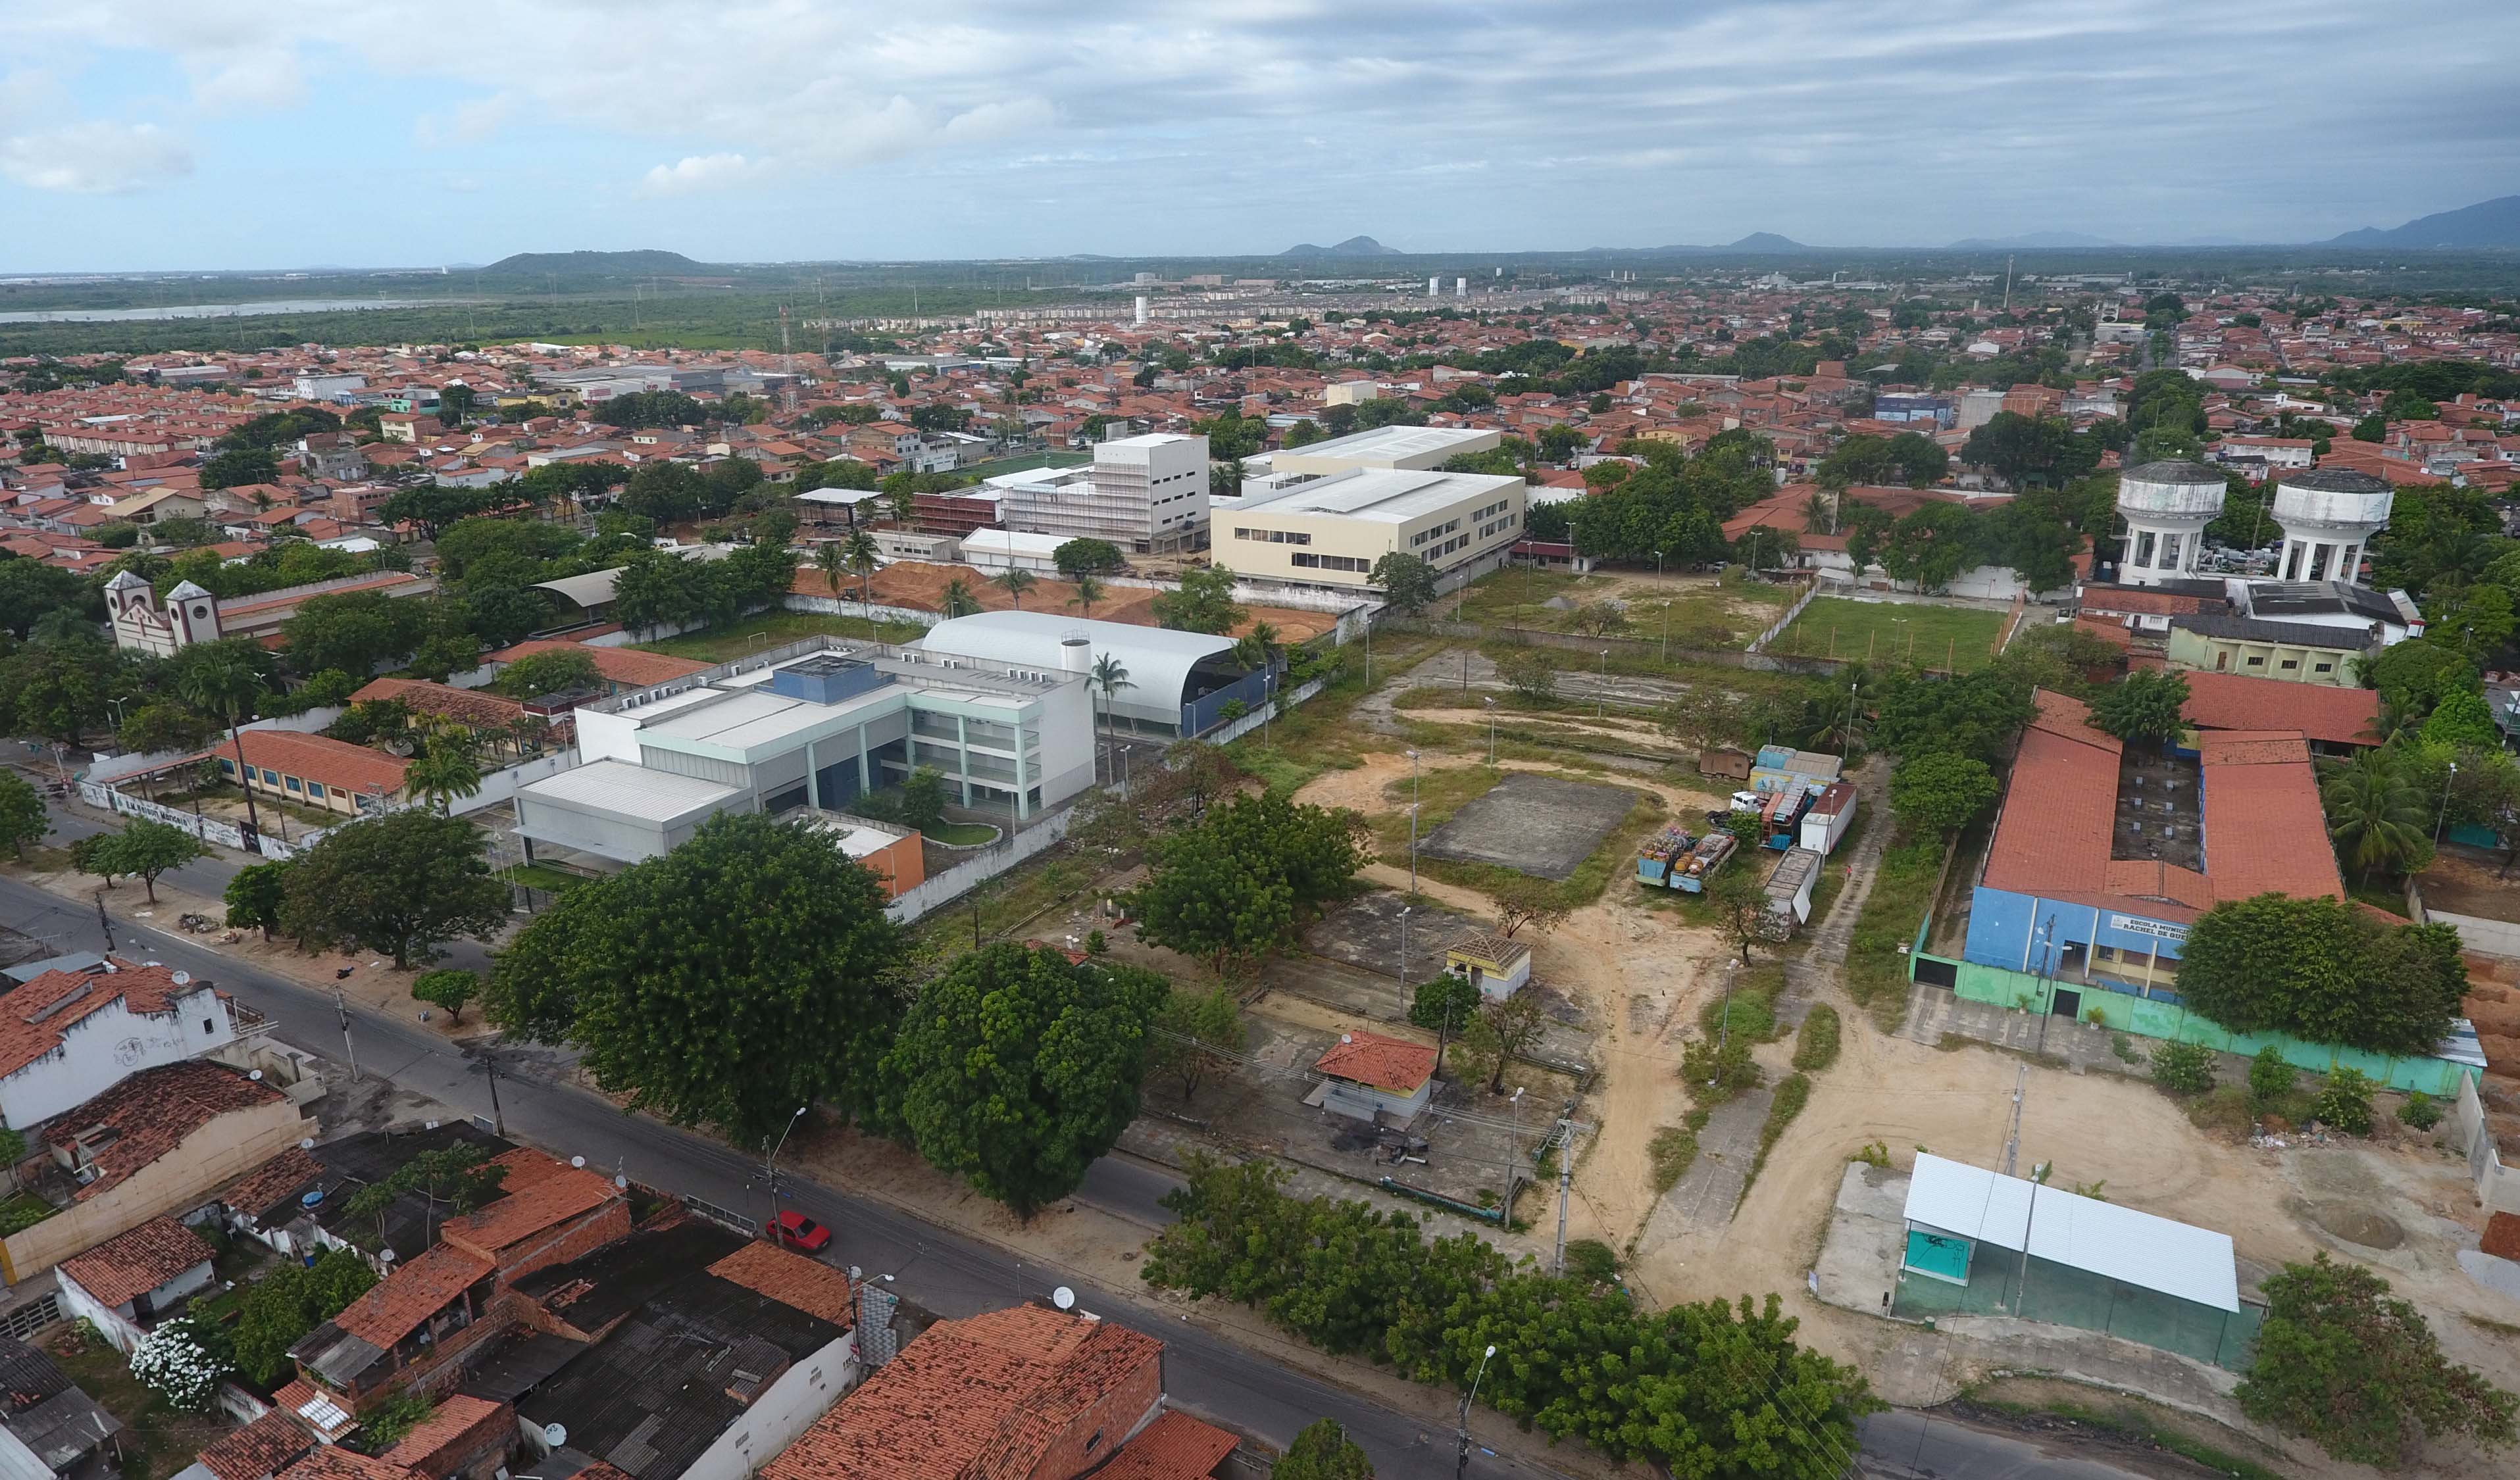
x,y
800,1233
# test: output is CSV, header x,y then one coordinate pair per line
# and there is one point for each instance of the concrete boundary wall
x,y
996,859
2498,1187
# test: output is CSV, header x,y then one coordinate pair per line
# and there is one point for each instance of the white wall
x,y
994,860
606,737
501,785
108,1046
802,1393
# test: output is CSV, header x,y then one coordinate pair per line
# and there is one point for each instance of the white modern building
x,y
814,724
2166,506
1001,550
2329,514
1147,494
1331,531
1420,448
1175,682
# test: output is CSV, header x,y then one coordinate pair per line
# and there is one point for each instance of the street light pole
x,y
1491,704
1413,824
1462,1462
2443,815
342,1006
770,1165
1600,692
1404,951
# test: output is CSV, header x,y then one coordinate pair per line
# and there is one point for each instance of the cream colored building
x,y
1421,448
2295,652
1328,531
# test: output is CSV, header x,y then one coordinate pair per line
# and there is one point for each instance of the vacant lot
x,y
1956,638
1692,611
1536,825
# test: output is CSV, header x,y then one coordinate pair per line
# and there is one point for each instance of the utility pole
x,y
770,1165
1565,1185
342,1006
489,1066
1461,1461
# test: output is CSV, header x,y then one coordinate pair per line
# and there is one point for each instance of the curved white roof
x,y
1158,660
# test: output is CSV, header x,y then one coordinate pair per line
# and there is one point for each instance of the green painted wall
x,y
2147,1018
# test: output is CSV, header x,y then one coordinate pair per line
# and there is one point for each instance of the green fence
x,y
2148,1017
2061,1295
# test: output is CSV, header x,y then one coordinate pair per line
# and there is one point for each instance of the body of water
x,y
221,310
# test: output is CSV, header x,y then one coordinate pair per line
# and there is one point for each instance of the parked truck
x,y
1662,854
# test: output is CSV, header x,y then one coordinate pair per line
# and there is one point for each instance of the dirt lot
x,y
1538,825
920,587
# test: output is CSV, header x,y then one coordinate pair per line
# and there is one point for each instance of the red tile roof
x,y
153,1112
34,1018
256,1450
138,1260
983,1395
263,1188
2264,827
391,1309
474,708
456,1419
1175,1447
337,764
793,1279
2237,701
540,1193
330,1461
1383,1063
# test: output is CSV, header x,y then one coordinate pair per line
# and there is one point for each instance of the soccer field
x,y
1960,638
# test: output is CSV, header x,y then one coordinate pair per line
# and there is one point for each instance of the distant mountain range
x,y
2488,223
590,264
1353,247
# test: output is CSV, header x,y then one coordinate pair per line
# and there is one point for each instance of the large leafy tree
x,y
1974,714
2375,814
147,849
2359,1373
22,819
254,896
354,631
1322,1450
288,1303
404,883
1196,1034
2147,705
30,588
1232,888
1018,1068
2324,971
1407,582
1941,792
1204,604
701,1022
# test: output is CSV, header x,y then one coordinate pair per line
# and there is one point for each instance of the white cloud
x,y
95,158
992,121
472,121
255,80
698,172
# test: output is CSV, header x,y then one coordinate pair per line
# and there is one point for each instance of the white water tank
x,y
2166,506
1076,654
2328,516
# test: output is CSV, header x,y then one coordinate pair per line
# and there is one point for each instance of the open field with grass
x,y
770,629
1960,638
1693,612
1025,463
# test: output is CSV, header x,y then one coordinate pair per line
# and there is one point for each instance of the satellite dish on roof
x,y
255,1076
578,1162
1064,1299
398,746
307,1145
385,1255
619,1180
555,1434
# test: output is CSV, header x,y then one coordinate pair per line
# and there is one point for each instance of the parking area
x,y
1541,825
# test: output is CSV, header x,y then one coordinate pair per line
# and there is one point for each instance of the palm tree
x,y
443,770
1820,515
1258,648
221,679
2374,813
1087,591
958,600
861,554
1110,674
1017,581
831,560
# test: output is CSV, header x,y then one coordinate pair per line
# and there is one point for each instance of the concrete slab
x,y
1859,1260
1366,933
1541,825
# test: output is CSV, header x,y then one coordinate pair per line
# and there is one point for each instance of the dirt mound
x,y
2373,1230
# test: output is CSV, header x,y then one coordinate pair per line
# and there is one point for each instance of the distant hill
x,y
591,264
2488,223
1766,240
2031,241
1353,247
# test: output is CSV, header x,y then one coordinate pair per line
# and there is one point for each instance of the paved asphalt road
x,y
940,1270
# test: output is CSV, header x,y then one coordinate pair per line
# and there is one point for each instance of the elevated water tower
x,y
2166,506
2328,516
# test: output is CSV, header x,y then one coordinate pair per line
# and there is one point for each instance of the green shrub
x,y
2270,1076
1816,1044
2124,1047
1751,1013
2345,1102
1714,1072
2421,1111
1876,1154
1674,1149
1590,1260
1793,1092
2184,1068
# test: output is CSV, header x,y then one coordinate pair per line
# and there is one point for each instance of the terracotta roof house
x,y
2334,720
67,1034
624,669
1368,1076
258,1450
126,1284
315,770
1027,1392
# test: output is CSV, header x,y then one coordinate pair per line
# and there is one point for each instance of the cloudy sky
x,y
257,133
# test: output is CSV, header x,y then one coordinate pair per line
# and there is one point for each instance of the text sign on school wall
x,y
2159,929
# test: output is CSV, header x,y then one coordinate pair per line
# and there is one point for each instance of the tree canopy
x,y
702,1023
1204,604
1940,791
1233,887
404,883
2324,971
2145,705
1016,1068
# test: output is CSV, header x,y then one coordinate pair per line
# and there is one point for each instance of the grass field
x,y
1025,463
1962,637
770,629
1699,614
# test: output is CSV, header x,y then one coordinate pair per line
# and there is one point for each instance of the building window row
x,y
1273,536
1310,561
1436,533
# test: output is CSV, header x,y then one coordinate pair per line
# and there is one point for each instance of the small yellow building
x,y
1495,965
2293,652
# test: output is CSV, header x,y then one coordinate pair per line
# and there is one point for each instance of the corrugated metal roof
x,y
656,796
2080,1233
1158,660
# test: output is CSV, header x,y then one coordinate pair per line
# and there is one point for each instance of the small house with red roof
x,y
125,1285
1367,1076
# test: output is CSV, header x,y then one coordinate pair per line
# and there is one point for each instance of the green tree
x,y
2145,705
238,466
555,670
1086,556
452,989
22,819
1406,581
256,894
1015,581
403,883
958,600
1739,906
1941,792
147,849
1109,676
1230,888
446,769
1204,604
1322,1450
1445,1006
1017,1069
1530,672
2324,971
2270,1076
1194,1034
1975,714
2345,1102
2462,718
702,1023
280,1309
2377,816
354,631
155,727
2361,1374
2183,1068
1089,590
